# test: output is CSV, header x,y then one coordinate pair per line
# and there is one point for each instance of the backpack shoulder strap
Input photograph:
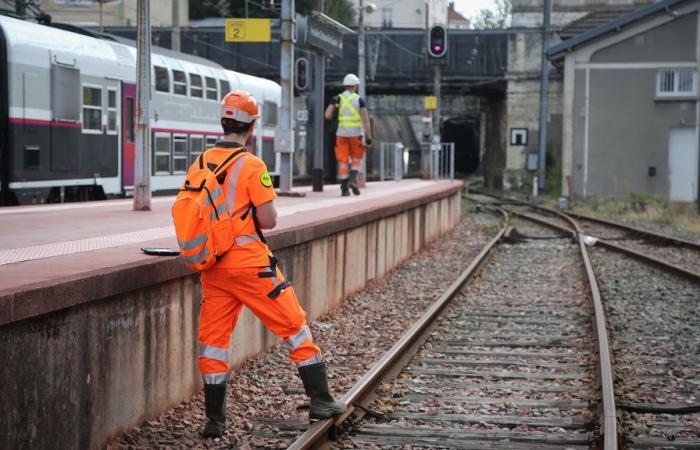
x,y
229,160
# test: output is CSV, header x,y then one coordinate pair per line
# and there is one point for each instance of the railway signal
x,y
301,74
437,41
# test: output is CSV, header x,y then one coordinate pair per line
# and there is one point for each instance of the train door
x,y
128,137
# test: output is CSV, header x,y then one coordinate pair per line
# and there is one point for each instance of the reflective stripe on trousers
x,y
215,378
299,338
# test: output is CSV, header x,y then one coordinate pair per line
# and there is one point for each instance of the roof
x,y
453,16
594,19
558,51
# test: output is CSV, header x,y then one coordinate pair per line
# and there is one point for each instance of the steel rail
x,y
636,230
609,413
318,432
659,262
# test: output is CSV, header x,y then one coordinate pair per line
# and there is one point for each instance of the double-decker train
x,y
68,113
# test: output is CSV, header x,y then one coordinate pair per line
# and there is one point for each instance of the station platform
x,y
43,247
81,302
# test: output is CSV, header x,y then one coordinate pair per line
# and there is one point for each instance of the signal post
x,y
437,56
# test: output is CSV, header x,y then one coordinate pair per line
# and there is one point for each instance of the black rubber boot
x,y
323,405
215,409
353,182
344,188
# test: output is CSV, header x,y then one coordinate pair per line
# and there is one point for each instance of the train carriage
x,y
68,105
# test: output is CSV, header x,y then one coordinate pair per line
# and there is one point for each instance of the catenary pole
x,y
286,141
361,73
319,97
176,35
544,96
142,172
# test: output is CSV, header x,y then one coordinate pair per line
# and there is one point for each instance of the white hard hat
x,y
351,80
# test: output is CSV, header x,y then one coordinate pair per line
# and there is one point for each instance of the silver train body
x,y
68,106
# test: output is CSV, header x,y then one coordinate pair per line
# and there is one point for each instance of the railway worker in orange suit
x,y
247,275
353,124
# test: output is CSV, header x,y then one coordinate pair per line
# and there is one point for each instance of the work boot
x,y
315,380
215,409
344,188
353,182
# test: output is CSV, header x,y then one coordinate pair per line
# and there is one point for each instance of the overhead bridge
x,y
476,61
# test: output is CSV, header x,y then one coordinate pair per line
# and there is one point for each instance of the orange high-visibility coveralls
x,y
349,153
247,275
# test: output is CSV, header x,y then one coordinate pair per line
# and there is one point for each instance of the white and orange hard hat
x,y
239,105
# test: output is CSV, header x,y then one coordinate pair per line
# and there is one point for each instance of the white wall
x,y
405,13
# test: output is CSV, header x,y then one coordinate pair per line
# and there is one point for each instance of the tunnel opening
x,y
464,132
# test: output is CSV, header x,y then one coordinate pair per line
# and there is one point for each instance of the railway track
x,y
516,359
652,315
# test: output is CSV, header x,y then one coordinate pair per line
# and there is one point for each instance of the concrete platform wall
x,y
80,375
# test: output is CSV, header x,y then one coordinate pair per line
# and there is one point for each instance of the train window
x,y
92,108
179,154
162,79
196,147
65,93
179,82
268,154
211,141
161,148
211,88
32,157
111,111
270,113
225,88
195,86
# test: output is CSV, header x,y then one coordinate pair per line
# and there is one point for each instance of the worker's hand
x,y
368,141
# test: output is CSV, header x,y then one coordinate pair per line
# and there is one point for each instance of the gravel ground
x,y
659,227
266,401
511,362
653,323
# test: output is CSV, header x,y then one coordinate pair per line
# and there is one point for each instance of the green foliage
x,y
340,10
489,18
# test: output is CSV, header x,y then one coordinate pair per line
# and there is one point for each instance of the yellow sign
x,y
430,102
248,30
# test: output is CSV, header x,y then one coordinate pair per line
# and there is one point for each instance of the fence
x,y
392,159
438,161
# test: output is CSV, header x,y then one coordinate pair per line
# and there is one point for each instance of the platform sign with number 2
x,y
248,30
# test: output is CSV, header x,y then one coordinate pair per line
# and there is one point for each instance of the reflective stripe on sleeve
x,y
316,359
193,243
215,378
233,182
296,340
194,259
211,352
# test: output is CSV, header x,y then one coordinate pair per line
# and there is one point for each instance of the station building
x,y
630,105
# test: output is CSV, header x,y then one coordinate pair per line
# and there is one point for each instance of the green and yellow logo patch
x,y
266,180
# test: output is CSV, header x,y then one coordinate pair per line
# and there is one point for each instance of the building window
x,y
111,111
196,147
676,82
225,88
92,109
162,79
179,153
195,86
179,82
211,89
270,113
161,149
387,17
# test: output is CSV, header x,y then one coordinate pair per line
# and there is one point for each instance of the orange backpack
x,y
203,226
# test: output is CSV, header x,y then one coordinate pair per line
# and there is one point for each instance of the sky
x,y
469,8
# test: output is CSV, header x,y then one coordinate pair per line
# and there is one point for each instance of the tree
x,y
340,10
489,18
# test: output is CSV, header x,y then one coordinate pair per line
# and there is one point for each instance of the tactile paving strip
x,y
15,255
